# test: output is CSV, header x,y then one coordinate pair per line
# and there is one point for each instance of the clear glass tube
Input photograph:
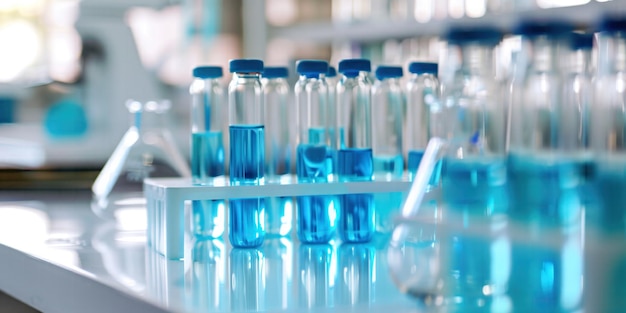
x,y
278,210
247,151
208,113
422,95
388,119
608,131
354,158
316,214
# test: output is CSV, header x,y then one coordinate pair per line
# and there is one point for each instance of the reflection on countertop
x,y
282,275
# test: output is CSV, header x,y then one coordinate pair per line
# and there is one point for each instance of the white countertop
x,y
58,256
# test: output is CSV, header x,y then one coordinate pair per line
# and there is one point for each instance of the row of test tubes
x,y
537,162
348,129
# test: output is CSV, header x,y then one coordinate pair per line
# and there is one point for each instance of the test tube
x,y
387,120
354,158
247,151
316,214
422,95
208,112
278,210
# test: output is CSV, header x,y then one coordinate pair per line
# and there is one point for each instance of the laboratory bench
x,y
58,256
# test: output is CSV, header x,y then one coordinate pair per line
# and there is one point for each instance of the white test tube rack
x,y
165,200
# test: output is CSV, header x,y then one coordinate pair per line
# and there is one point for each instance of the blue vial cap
x,y
612,23
246,66
552,28
352,67
312,67
423,68
332,72
275,72
383,72
483,35
581,41
208,72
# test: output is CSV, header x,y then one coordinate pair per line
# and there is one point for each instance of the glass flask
x,y
278,210
468,128
354,157
147,149
247,151
314,158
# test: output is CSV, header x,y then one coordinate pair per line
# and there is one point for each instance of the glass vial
x,y
208,113
422,94
354,158
607,219
247,151
278,210
314,157
387,120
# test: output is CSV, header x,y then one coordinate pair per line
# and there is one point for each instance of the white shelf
x,y
380,30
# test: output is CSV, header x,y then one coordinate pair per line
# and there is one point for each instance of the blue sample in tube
x,y
357,215
317,213
393,165
247,155
314,155
207,159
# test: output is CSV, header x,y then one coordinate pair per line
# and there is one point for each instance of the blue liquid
x,y
207,156
316,214
413,162
608,212
208,218
356,222
476,186
546,190
247,159
207,162
389,166
278,216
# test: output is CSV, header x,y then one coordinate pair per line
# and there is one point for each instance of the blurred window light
x,y
281,12
423,11
456,8
546,4
475,8
25,48
603,0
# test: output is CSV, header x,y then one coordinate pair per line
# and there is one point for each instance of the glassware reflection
x,y
208,282
247,282
357,269
317,272
491,265
278,267
165,279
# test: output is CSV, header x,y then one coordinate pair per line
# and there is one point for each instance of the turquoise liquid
x,y
546,190
316,214
413,162
207,162
356,221
207,156
474,186
278,216
474,189
247,160
389,166
608,181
